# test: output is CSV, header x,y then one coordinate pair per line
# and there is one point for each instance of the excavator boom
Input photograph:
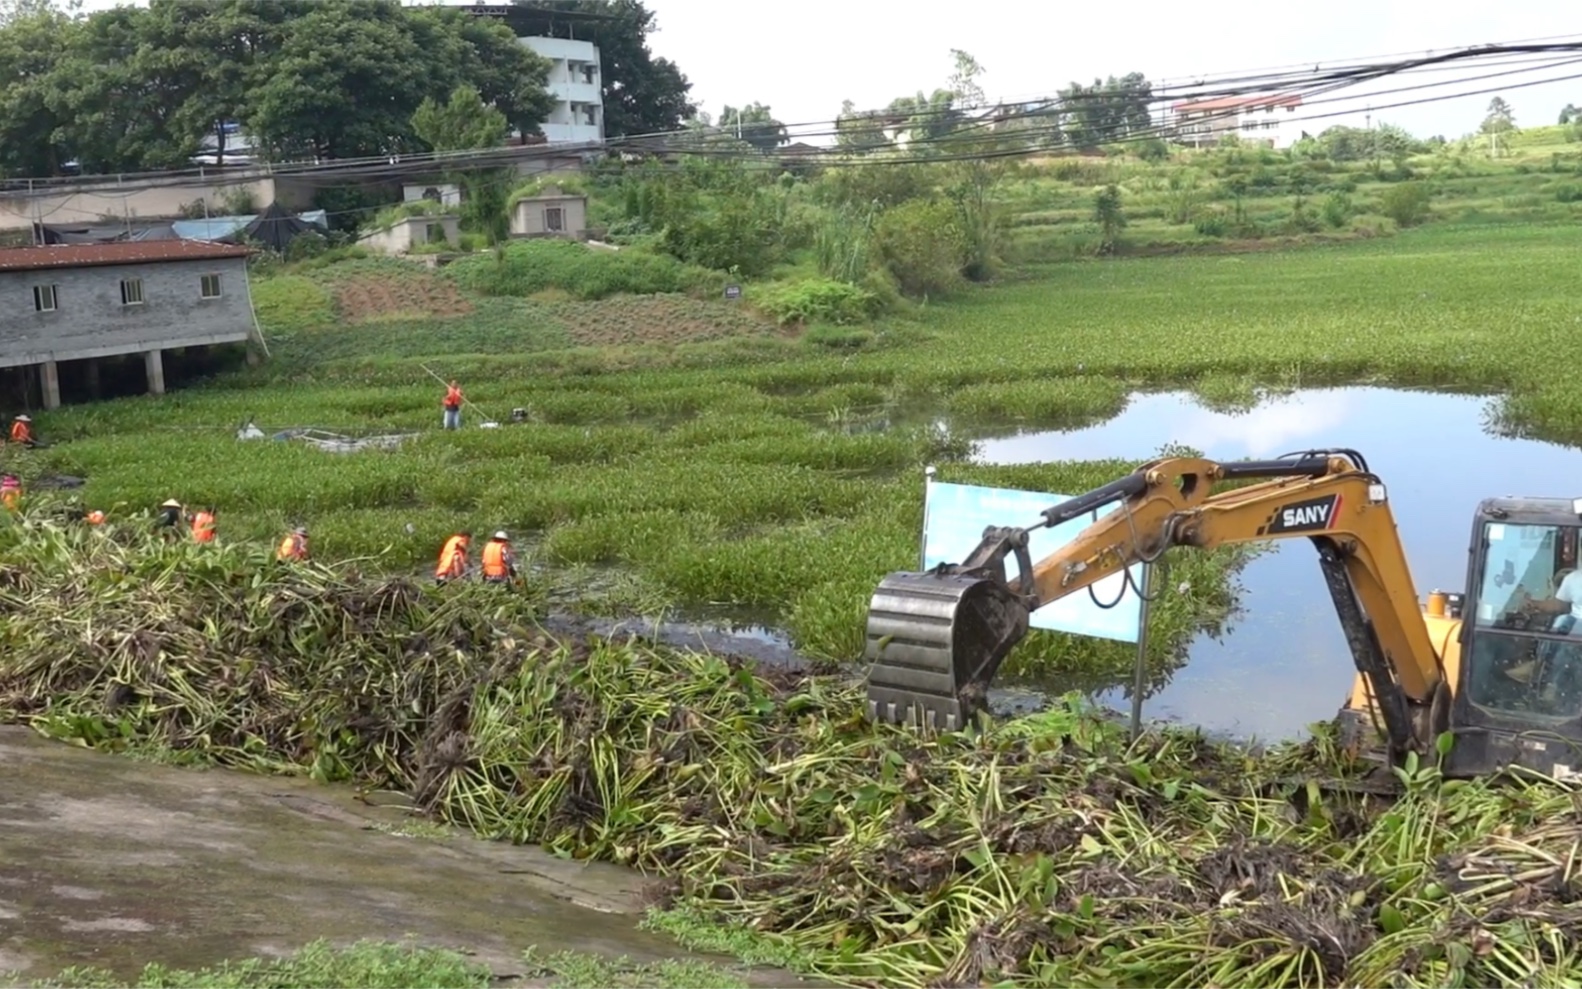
x,y
935,639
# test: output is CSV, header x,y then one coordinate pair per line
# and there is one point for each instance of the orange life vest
x,y
452,397
21,432
453,558
496,559
203,527
11,495
293,547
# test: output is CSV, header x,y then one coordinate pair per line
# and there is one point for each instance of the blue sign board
x,y
954,517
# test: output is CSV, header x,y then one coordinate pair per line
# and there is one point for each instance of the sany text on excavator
x,y
1506,679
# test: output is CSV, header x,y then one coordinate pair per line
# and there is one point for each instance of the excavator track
x,y
934,640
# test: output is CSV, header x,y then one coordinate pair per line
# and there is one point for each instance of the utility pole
x,y
1373,138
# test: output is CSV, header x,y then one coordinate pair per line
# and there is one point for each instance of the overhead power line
x,y
846,157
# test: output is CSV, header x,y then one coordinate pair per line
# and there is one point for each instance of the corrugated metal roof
x,y
125,252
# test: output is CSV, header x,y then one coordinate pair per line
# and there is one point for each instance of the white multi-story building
x,y
575,82
1267,120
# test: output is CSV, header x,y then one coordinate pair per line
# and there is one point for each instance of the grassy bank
x,y
1039,852
375,965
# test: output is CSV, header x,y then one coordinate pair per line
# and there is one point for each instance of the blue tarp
x,y
221,227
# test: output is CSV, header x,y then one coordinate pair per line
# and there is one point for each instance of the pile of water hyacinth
x,y
1040,852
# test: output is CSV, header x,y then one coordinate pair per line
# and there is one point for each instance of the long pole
x,y
464,399
1140,671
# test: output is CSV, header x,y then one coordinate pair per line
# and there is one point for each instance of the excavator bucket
x,y
934,641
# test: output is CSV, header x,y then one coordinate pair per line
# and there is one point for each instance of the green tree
x,y
142,87
464,122
122,89
1110,217
483,53
713,212
642,94
925,120
1405,203
219,46
345,83
859,131
754,124
1500,118
1108,110
33,44
922,246
978,165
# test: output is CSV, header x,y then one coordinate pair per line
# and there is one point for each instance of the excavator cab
x,y
1515,650
1500,666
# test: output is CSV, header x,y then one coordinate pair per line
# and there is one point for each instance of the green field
x,y
733,463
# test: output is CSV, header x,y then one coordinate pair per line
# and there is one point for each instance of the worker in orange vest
x,y
203,525
453,558
453,402
295,546
22,431
499,563
11,492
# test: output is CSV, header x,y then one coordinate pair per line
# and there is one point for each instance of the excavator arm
x,y
935,639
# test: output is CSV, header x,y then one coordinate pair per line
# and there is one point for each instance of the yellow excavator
x,y
1498,666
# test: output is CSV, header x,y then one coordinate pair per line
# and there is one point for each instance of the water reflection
x,y
1284,664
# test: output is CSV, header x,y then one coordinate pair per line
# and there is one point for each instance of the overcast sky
x,y
803,59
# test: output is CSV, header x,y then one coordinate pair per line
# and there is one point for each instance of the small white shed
x,y
551,213
404,234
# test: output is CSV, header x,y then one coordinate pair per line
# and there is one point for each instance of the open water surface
x,y
1282,664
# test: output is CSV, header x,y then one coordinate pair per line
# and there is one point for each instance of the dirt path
x,y
113,862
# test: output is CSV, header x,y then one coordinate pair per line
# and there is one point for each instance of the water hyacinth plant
x,y
1037,852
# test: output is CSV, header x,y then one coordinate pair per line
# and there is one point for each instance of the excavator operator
x,y
1550,669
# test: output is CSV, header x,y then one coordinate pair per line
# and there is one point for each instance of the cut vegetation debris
x,y
1045,851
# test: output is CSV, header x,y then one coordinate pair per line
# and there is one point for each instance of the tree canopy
x,y
1082,116
134,88
754,124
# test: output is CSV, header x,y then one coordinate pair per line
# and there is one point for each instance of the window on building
x,y
553,219
588,73
131,291
435,233
589,114
44,298
211,286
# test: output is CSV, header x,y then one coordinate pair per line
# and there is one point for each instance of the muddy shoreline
x,y
113,862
